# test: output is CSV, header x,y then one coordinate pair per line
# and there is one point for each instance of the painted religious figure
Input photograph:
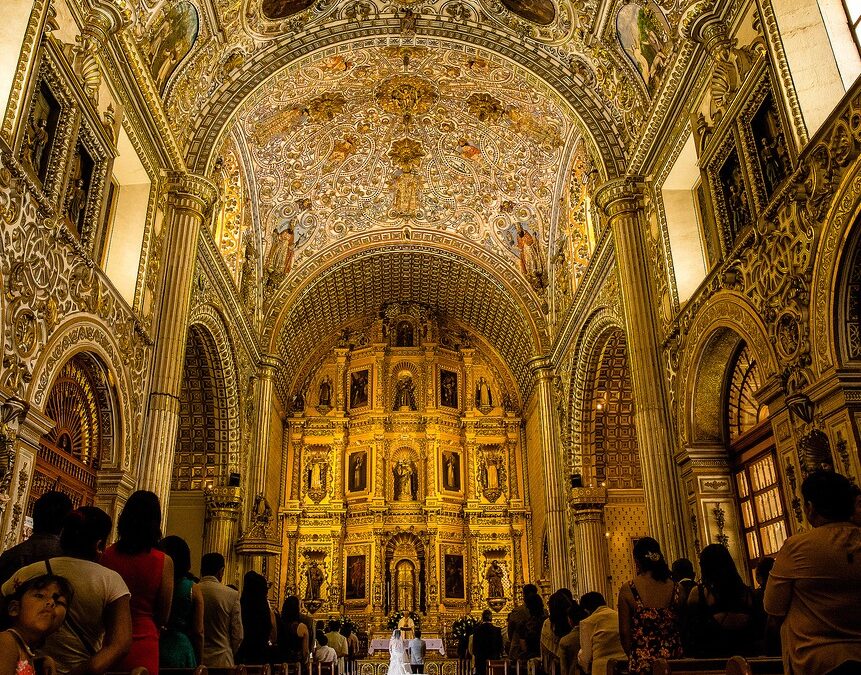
x,y
171,38
405,394
359,388
494,577
404,334
324,399
358,472
37,142
314,581
355,589
280,258
406,481
483,396
735,197
774,160
281,9
642,32
451,471
40,132
531,260
316,479
541,12
448,388
405,189
454,586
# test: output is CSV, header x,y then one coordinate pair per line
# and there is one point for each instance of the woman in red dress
x,y
147,572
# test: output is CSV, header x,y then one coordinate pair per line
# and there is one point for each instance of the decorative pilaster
x,y
189,198
219,530
593,558
12,413
557,538
264,387
103,20
622,203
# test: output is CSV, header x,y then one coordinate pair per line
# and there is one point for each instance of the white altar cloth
x,y
382,645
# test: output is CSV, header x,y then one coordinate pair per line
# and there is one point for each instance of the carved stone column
x,y
13,411
219,530
593,557
557,537
264,387
621,201
189,197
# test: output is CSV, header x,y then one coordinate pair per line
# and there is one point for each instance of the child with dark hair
x,y
650,610
35,609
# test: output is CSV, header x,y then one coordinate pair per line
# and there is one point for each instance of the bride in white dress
x,y
396,654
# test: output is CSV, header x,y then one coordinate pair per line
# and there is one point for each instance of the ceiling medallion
x,y
406,95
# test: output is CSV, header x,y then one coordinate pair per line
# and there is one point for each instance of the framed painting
x,y
451,471
448,395
355,581
357,472
360,381
172,36
453,582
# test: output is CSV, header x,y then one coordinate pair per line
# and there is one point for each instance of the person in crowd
x,y
35,610
417,649
338,642
222,614
599,634
569,644
856,513
324,653
486,642
815,584
517,619
649,610
148,573
721,615
683,575
258,621
767,628
529,633
555,627
49,512
97,632
352,641
181,642
293,638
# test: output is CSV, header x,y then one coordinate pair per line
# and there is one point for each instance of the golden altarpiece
x,y
406,480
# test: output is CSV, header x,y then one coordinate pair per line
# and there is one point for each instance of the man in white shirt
x,y
222,616
417,649
324,653
339,643
599,634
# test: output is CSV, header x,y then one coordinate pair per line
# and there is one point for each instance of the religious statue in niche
x,y
483,396
494,576
248,283
773,156
297,405
79,185
531,260
491,476
355,586
324,396
735,197
357,480
36,142
40,132
359,389
448,388
404,334
405,393
451,471
314,579
280,258
316,479
454,585
406,481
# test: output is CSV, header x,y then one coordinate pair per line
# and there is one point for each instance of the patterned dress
x,y
654,632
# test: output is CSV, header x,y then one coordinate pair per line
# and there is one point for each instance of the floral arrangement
x,y
395,619
463,627
352,625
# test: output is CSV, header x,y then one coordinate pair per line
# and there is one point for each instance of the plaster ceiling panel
x,y
385,137
359,286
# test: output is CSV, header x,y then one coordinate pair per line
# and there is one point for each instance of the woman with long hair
x,y
720,614
258,621
181,643
649,610
147,572
293,639
555,627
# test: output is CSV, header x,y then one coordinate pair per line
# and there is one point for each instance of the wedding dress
x,y
396,654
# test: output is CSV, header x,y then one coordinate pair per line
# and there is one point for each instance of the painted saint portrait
x,y
355,578
642,31
172,36
41,131
453,570
736,202
359,389
774,160
448,388
357,478
451,471
281,9
541,12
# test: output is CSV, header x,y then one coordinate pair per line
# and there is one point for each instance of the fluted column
x,y
622,203
593,556
557,538
266,369
189,197
219,530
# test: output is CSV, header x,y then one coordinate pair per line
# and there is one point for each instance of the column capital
x,y
702,23
621,195
587,498
223,498
106,17
542,367
191,191
269,362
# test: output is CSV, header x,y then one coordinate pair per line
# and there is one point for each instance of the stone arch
x,y
709,346
89,336
209,354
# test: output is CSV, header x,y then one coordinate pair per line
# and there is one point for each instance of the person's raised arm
x,y
196,628
117,619
165,593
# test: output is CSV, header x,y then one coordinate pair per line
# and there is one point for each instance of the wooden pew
x,y
738,665
688,666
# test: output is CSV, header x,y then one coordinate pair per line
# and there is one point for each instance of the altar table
x,y
382,645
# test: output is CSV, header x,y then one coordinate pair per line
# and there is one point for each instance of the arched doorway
x,y
81,403
405,574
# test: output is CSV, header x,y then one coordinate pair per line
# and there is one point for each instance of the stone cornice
x,y
620,196
195,191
